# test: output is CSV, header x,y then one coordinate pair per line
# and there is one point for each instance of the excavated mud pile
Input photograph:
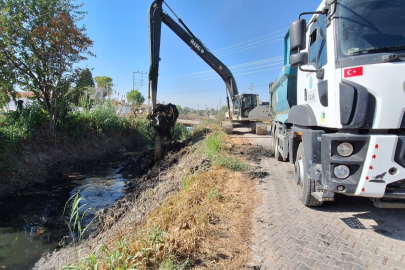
x,y
250,152
255,154
144,163
163,118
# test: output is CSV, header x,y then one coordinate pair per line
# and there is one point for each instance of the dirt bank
x,y
226,239
47,157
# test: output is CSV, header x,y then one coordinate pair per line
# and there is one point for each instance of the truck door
x,y
314,89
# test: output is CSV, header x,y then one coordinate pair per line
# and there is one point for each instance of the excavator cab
x,y
243,104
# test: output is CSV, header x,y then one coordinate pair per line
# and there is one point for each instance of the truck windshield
x,y
370,26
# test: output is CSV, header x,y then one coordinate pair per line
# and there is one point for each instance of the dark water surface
x,y
32,223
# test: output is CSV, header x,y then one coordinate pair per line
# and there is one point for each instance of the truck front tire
x,y
305,184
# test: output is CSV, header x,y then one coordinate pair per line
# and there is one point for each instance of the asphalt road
x,y
349,233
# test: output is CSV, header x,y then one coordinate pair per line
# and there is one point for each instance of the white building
x,y
23,97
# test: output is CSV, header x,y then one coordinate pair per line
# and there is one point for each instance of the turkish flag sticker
x,y
352,72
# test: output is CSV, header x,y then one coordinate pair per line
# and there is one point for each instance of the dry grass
x,y
206,224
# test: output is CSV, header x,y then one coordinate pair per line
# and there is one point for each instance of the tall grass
x,y
100,120
205,128
214,149
179,132
77,213
30,124
17,127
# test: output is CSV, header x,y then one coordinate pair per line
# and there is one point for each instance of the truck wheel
x,y
272,142
305,184
277,154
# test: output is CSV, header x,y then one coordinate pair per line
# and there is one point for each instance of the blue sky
x,y
246,35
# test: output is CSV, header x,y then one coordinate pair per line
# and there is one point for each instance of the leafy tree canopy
x,y
180,109
104,81
135,98
83,87
86,78
41,43
186,110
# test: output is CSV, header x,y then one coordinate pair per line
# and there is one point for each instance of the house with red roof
x,y
23,97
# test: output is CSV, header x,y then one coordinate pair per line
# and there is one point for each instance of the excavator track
x,y
227,127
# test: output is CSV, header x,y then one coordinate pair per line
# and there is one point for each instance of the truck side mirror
x,y
297,35
298,59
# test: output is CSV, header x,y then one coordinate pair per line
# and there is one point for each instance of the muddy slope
x,y
147,185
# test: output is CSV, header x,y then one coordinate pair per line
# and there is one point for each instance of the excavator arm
x,y
156,17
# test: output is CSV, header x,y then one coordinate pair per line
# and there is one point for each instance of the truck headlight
x,y
341,171
345,149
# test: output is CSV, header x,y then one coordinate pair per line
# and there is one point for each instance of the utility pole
x,y
137,80
252,86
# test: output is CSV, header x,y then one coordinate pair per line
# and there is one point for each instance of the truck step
x,y
389,204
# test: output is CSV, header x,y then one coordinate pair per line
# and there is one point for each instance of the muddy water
x,y
32,223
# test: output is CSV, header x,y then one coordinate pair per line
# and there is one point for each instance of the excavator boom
x,y
156,17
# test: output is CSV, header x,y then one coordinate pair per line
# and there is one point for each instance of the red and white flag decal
x,y
352,72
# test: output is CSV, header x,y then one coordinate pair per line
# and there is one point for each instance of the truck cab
x,y
345,132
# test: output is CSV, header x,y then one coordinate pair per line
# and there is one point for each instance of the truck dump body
x,y
283,91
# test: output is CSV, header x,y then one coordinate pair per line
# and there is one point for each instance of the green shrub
x,y
179,132
214,150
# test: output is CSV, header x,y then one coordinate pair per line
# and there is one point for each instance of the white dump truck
x,y
338,106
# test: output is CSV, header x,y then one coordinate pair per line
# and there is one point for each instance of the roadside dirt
x,y
225,245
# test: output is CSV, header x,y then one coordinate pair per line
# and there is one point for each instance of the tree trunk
x,y
52,123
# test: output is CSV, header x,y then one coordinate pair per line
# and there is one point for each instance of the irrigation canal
x,y
32,224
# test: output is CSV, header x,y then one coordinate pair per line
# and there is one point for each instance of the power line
x,y
244,49
257,62
215,75
208,90
240,74
247,46
249,40
234,68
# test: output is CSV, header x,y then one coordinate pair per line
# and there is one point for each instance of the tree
x,y
86,78
180,109
186,110
83,87
105,82
135,98
40,41
6,94
223,109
